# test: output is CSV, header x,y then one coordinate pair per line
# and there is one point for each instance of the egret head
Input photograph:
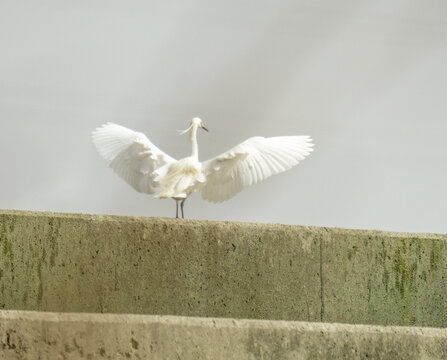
x,y
196,122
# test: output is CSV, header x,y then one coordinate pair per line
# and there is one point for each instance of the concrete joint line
x,y
321,279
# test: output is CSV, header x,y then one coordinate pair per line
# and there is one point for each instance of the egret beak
x,y
204,128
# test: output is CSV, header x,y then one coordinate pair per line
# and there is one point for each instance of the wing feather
x,y
131,155
250,162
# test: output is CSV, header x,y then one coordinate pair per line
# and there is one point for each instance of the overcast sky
x,y
366,79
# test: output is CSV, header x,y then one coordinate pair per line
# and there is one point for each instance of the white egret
x,y
149,170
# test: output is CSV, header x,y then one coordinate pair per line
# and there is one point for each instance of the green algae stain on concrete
x,y
25,297
6,228
435,255
54,232
40,262
352,252
400,268
7,248
7,224
385,278
404,268
413,258
40,285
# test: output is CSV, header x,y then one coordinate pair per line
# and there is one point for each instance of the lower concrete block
x,y
38,335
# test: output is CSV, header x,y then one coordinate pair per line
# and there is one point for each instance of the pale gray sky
x,y
366,79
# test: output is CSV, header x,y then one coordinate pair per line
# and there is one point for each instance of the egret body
x,y
149,170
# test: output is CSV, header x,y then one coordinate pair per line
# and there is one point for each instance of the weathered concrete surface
x,y
385,278
37,335
92,263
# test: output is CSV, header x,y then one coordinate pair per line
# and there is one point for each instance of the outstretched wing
x,y
131,155
250,162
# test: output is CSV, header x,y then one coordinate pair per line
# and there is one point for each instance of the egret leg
x,y
176,209
181,207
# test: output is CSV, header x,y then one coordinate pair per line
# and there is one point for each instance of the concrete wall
x,y
91,263
30,335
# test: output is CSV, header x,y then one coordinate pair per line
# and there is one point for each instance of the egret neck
x,y
193,139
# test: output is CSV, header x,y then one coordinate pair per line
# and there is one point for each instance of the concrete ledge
x,y
36,335
93,263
